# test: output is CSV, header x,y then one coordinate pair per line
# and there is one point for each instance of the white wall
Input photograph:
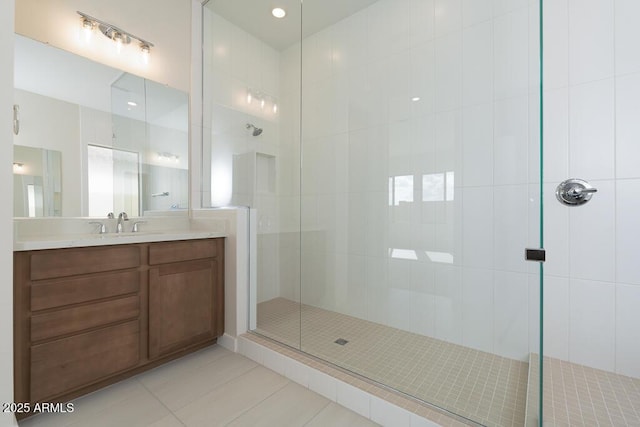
x,y
6,208
592,106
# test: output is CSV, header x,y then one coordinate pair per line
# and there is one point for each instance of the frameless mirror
x,y
37,183
122,139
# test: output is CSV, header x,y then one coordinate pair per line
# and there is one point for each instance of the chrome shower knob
x,y
574,192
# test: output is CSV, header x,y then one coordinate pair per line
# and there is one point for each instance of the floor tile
x,y
292,406
225,403
335,415
194,383
176,369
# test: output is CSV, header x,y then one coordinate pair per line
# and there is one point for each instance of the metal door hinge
x,y
535,254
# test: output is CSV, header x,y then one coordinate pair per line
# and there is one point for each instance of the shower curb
x,y
367,398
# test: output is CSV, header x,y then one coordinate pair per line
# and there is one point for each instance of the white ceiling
x,y
254,16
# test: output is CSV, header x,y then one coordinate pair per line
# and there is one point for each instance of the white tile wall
x,y
591,129
627,236
627,125
511,314
591,40
592,323
592,254
477,306
627,332
556,317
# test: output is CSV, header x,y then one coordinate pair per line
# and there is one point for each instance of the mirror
x,y
122,141
37,188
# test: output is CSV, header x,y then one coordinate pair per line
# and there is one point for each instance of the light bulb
x,y
262,103
87,29
249,97
146,52
118,39
279,12
275,108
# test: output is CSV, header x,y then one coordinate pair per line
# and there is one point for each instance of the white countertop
x,y
82,240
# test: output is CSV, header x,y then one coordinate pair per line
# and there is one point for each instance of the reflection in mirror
x,y
37,190
80,108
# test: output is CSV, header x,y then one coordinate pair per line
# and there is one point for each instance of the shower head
x,y
256,131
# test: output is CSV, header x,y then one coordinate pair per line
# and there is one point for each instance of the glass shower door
x,y
420,154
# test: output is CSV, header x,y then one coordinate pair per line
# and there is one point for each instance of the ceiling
x,y
254,16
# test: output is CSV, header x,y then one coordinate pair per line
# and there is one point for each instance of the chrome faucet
x,y
122,216
102,228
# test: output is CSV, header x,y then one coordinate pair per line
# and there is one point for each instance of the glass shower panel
x,y
419,190
251,141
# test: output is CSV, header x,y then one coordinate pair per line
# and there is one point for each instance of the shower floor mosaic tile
x,y
577,395
480,386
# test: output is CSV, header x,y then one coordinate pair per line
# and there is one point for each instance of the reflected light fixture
x,y
119,36
146,52
18,166
278,12
168,157
415,99
87,29
249,97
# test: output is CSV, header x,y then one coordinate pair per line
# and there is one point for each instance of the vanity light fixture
x,y
119,36
18,166
278,12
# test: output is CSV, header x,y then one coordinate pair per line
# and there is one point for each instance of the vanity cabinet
x,y
87,317
184,308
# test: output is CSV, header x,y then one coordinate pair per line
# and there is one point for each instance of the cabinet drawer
x,y
167,252
62,322
70,363
71,262
82,289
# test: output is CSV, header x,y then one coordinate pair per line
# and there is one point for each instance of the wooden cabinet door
x,y
182,301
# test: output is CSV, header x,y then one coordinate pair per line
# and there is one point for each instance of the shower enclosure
x,y
396,180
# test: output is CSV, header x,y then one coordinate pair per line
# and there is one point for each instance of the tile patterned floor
x,y
483,387
576,395
212,387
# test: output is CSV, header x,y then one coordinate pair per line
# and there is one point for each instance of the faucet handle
x,y
110,215
135,228
102,226
123,216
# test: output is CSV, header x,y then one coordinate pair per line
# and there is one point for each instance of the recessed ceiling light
x,y
278,12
